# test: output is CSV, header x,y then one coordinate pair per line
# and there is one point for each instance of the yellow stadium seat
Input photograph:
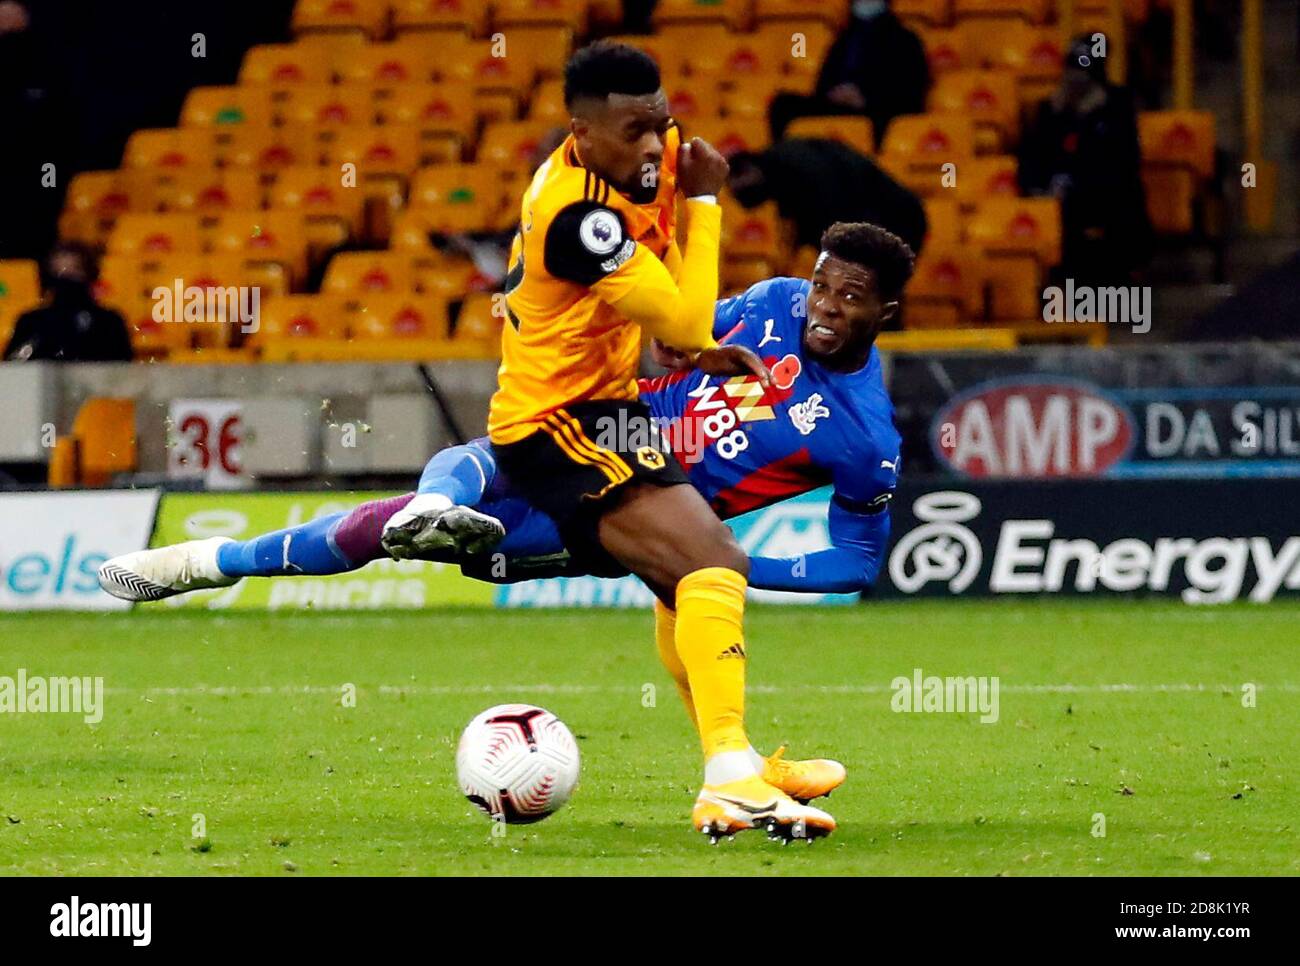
x,y
1177,159
690,101
206,106
833,13
302,317
921,143
280,64
407,61
269,148
945,289
732,13
671,60
369,17
544,48
1034,54
478,320
1034,11
319,105
167,148
331,210
992,176
571,14
735,275
208,190
548,103
461,197
512,145
404,315
119,284
445,108
749,98
702,48
947,49
934,13
750,233
855,132
104,431
447,277
263,237
353,273
465,16
486,66
729,134
20,290
1019,238
987,97
137,233
151,339
378,149
943,221
108,194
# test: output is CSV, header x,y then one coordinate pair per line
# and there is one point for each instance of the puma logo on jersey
x,y
804,415
886,465
767,333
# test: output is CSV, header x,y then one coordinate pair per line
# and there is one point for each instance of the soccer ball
x,y
517,762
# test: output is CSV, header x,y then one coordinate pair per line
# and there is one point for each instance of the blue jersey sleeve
x,y
851,564
727,313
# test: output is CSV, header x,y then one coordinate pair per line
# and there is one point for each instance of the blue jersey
x,y
745,447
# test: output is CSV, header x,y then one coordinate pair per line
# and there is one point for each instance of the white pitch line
x,y
435,690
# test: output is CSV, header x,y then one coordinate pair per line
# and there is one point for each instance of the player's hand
x,y
733,360
701,168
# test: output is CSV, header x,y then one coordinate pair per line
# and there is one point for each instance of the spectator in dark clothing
x,y
876,69
71,326
1082,147
817,182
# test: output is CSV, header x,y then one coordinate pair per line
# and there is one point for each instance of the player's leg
x,y
442,517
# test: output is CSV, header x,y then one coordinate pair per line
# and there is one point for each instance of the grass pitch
x,y
1130,710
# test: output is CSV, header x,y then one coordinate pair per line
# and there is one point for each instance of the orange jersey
x,y
582,245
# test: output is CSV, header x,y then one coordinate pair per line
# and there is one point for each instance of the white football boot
x,y
432,527
165,571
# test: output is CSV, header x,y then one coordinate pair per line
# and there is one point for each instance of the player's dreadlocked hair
x,y
888,256
605,68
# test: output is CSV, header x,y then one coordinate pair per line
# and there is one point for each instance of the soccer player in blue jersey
x,y
817,413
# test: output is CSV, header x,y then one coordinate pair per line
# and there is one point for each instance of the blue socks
x,y
460,473
305,549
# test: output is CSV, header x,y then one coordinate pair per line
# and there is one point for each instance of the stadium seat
x,y
800,57
754,233
924,140
401,315
689,100
512,145
931,13
731,13
833,13
729,134
943,221
108,194
302,317
1177,160
987,97
991,176
151,339
406,61
445,109
1033,11
167,148
545,49
354,273
547,103
700,49
136,233
477,321
369,17
448,278
208,190
261,238
749,98
469,17
735,275
268,148
105,440
383,151
1034,54
854,132
1019,238
947,49
281,64
461,197
481,64
945,290
332,212
325,105
119,284
571,14
206,106
20,290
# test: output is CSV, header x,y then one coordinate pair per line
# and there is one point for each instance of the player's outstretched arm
x,y
853,562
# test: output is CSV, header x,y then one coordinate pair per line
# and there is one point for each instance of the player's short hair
x,y
889,257
607,67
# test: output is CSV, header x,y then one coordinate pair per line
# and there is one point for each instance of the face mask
x,y
868,9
